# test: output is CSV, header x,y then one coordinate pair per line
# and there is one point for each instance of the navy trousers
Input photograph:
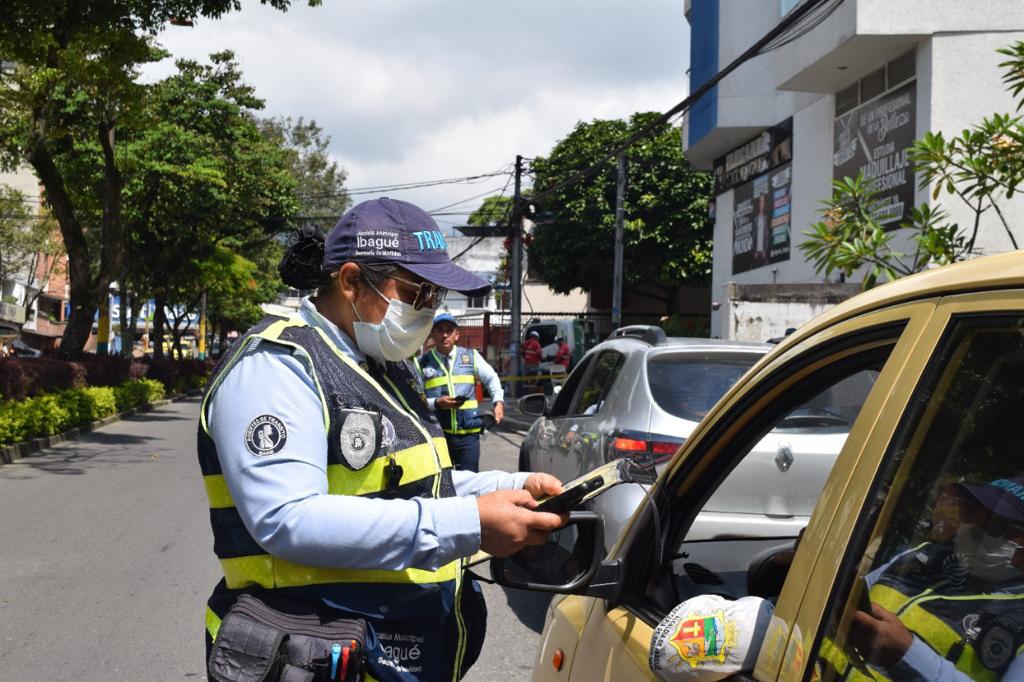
x,y
465,451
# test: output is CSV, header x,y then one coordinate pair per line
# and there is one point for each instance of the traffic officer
x,y
450,373
951,611
328,477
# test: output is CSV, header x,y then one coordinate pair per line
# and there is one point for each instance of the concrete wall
x,y
760,312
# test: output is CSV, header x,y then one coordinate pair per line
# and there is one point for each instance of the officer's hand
x,y
542,485
879,636
499,412
507,524
446,402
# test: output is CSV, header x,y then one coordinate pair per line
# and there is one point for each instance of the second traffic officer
x,y
450,373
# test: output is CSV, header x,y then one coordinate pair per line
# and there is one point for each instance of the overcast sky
x,y
420,90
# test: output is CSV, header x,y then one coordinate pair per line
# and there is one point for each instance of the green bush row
x,y
52,413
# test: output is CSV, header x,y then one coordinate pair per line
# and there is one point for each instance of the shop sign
x,y
874,140
761,220
769,150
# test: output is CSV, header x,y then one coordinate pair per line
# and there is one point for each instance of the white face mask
x,y
400,334
988,558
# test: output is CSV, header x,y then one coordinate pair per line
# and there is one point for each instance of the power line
x,y
469,179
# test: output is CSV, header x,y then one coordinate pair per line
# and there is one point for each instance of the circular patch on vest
x,y
995,647
358,439
265,435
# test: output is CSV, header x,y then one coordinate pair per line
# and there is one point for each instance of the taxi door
x,y
663,570
960,392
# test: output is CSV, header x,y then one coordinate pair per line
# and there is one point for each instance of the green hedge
x,y
53,413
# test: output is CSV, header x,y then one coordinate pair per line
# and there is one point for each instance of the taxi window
x,y
933,588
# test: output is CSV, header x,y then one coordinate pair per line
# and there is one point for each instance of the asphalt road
x,y
106,561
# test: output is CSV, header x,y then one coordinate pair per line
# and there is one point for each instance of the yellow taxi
x,y
912,563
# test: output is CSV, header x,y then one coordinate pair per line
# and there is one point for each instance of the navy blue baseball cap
x,y
446,317
391,232
1004,496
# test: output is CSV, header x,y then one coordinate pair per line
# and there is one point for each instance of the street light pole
x,y
516,277
620,200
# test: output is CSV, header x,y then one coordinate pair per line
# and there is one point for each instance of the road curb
x,y
27,448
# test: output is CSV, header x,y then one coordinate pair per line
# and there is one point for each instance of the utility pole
x,y
516,278
620,200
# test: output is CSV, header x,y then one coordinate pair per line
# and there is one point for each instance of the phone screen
x,y
569,499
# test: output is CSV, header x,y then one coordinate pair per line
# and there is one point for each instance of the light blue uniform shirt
x,y
282,498
484,372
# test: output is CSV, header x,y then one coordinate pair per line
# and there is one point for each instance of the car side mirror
x,y
570,562
534,404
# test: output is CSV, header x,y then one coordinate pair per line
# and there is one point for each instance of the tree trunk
x,y
159,322
129,304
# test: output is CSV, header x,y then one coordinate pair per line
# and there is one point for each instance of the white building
x,y
848,96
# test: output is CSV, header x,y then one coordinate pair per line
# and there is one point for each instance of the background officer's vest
x,y
459,380
415,614
980,633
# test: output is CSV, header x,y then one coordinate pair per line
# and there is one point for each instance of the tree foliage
x,y
983,167
70,98
493,211
320,181
667,234
207,192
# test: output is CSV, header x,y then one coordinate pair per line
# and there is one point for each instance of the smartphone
x,y
460,399
569,499
864,599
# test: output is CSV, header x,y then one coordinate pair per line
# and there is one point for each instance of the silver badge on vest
x,y
364,434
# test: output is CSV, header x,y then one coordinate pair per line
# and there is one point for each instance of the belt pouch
x,y
313,639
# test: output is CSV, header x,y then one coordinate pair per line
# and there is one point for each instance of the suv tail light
x,y
649,449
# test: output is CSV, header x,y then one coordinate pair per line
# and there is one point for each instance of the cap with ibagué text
x,y
392,232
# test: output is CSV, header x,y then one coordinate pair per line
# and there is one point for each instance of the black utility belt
x,y
268,638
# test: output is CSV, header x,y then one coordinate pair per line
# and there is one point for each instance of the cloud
x,y
422,90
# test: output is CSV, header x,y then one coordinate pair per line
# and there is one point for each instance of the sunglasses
x,y
428,295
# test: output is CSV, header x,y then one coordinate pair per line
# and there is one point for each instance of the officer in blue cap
x,y
450,373
328,475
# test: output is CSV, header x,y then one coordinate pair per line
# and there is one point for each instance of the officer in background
x,y
450,373
328,477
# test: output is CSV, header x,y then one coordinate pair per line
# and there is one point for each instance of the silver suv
x,y
640,394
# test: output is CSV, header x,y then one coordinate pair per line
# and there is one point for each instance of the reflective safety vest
x,y
980,633
416,615
457,381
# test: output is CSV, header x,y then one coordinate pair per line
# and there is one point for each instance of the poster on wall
x,y
769,150
761,220
874,140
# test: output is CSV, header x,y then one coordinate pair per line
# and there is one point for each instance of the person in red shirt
x,y
532,353
563,355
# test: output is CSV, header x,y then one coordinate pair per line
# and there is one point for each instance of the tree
x,y
320,180
667,234
29,245
493,211
201,179
64,106
983,167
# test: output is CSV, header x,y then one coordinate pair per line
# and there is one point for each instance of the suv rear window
x,y
687,386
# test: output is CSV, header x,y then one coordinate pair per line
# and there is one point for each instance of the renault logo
x,y
784,458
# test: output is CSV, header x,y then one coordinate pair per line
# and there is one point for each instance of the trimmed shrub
x,y
135,393
52,413
95,402
22,378
111,370
178,376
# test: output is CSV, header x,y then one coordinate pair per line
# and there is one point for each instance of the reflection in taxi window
x,y
938,590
